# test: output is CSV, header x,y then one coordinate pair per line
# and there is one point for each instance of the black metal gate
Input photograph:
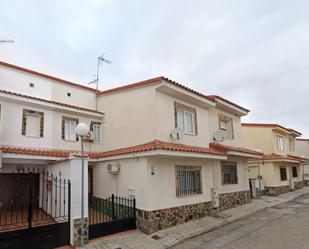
x,y
111,215
34,210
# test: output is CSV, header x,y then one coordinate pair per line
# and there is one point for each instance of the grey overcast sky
x,y
253,52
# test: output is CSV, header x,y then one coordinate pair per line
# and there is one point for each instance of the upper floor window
x,y
283,175
188,181
229,173
292,144
69,129
95,127
294,171
280,143
226,124
32,123
185,118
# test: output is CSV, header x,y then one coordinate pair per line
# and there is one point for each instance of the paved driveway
x,y
280,227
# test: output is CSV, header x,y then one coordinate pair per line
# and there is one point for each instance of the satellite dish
x,y
177,133
219,135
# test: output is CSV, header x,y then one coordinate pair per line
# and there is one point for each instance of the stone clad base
x,y
153,221
299,185
230,200
77,231
278,190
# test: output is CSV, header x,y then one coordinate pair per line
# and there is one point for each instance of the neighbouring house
x,y
173,179
38,117
280,168
177,152
302,149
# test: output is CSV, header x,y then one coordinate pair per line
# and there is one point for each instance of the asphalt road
x,y
285,226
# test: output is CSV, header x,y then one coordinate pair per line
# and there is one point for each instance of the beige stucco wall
x,y
270,172
214,126
129,117
302,148
265,139
165,121
242,175
159,190
257,138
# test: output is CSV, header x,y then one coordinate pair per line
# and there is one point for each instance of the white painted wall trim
x,y
160,153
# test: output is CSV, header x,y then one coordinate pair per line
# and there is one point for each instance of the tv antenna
x,y
101,60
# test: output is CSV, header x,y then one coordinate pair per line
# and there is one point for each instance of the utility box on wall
x,y
215,198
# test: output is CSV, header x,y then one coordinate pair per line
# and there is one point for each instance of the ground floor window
x,y
294,171
229,173
283,175
188,181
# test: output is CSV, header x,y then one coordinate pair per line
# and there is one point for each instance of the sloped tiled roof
x,y
158,145
50,101
227,148
35,152
151,146
214,97
277,157
270,125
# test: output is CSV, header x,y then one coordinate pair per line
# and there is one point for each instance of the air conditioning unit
x,y
215,198
113,168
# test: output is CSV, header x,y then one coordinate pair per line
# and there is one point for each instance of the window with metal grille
x,y
188,181
294,171
283,175
229,173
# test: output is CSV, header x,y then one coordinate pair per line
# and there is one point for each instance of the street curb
x,y
226,222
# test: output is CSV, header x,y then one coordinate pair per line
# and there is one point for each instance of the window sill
x,y
190,134
69,141
188,196
32,136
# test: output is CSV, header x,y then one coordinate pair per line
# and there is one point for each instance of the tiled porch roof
x,y
227,148
157,145
304,159
277,157
151,146
35,152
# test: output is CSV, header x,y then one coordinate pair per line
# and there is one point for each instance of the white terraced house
x,y
177,152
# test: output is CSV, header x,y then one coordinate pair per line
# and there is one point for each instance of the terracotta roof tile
x,y
227,148
50,101
154,145
157,145
270,125
274,156
214,97
35,152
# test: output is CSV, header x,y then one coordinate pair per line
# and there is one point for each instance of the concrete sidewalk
x,y
174,235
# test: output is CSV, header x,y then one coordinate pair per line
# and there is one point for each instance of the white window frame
x,y
70,135
280,143
27,125
183,112
96,137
